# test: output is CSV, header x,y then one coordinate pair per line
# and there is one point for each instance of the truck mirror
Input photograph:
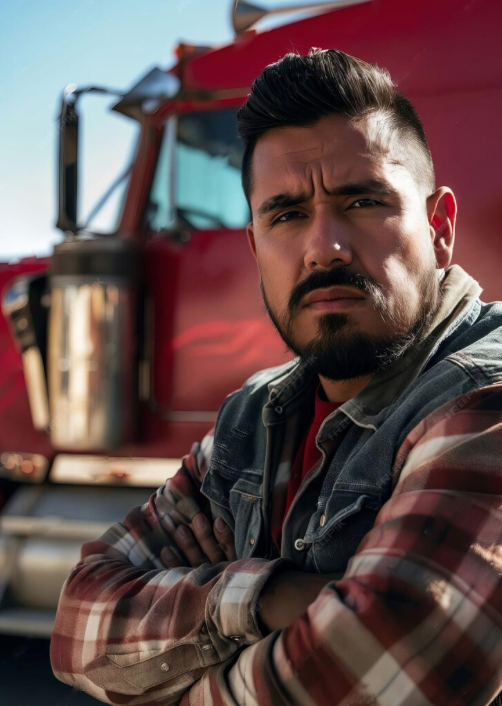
x,y
68,162
155,87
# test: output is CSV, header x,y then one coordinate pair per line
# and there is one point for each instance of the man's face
x,y
345,243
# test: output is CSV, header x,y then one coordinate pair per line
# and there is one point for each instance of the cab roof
x,y
427,45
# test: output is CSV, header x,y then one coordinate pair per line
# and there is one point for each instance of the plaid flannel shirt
x,y
415,620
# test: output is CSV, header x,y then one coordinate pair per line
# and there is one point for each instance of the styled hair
x,y
300,90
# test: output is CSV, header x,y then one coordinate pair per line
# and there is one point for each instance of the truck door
x,y
208,326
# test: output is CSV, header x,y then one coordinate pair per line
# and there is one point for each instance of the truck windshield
x,y
197,183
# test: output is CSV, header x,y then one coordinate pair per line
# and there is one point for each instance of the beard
x,y
340,351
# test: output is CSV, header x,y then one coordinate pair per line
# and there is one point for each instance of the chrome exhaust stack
x,y
92,344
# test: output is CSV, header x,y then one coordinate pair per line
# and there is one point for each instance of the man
x,y
355,556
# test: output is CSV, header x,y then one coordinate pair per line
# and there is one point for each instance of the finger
x,y
205,537
169,558
189,546
181,542
225,538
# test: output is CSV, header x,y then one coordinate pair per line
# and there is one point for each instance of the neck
x,y
340,391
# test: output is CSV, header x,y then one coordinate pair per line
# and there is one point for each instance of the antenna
x,y
245,14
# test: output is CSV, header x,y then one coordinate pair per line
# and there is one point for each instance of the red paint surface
x,y
16,429
211,330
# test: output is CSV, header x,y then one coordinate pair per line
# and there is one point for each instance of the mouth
x,y
334,299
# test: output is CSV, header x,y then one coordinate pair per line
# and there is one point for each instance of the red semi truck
x,y
116,352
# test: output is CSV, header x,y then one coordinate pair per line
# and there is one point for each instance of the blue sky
x,y
46,46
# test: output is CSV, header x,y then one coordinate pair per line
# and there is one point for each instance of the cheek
x,y
405,238
405,273
402,289
279,273
397,254
275,286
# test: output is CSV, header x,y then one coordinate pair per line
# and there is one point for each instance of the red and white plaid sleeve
x,y
130,631
417,618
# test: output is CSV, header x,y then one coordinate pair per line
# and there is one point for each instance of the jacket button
x,y
322,520
278,409
299,545
164,667
252,541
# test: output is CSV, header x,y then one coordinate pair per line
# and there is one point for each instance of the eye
x,y
365,203
288,216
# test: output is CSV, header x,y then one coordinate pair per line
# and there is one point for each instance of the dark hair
x,y
300,90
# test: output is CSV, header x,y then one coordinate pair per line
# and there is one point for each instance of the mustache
x,y
338,276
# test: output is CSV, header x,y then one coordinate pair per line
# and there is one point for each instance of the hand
x,y
287,595
201,543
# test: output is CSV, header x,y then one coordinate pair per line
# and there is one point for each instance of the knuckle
x,y
217,554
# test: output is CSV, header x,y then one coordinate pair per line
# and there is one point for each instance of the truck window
x,y
109,143
202,189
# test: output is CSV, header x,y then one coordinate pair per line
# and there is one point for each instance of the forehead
x,y
329,153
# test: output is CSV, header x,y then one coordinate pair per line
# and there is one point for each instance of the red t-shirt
x,y
308,454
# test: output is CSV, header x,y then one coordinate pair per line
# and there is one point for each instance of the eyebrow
x,y
288,200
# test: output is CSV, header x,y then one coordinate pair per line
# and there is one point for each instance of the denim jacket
x,y
260,428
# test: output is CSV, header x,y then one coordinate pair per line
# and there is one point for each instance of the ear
x,y
441,214
251,240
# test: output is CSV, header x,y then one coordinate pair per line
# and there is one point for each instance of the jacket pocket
x,y
245,506
238,502
350,516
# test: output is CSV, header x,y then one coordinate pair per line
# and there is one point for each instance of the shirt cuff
x,y
232,605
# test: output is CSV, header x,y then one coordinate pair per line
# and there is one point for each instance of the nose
x,y
327,244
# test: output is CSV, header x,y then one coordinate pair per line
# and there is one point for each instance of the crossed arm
x,y
146,610
416,619
285,596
